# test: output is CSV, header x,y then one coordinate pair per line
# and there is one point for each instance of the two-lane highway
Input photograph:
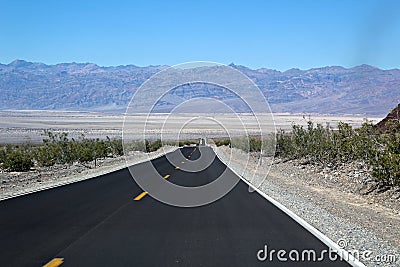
x,y
111,221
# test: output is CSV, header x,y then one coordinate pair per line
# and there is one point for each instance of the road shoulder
x,y
340,215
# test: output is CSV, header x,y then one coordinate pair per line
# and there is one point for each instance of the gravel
x,y
333,200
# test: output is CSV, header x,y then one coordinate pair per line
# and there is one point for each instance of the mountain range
x,y
364,89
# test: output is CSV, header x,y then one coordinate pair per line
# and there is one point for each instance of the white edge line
x,y
326,240
89,176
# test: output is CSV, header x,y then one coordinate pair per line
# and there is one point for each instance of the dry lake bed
x,y
28,126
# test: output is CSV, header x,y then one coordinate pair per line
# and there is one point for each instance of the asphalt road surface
x,y
110,221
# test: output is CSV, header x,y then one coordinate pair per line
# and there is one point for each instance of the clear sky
x,y
273,34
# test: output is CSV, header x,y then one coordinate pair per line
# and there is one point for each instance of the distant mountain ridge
x,y
88,87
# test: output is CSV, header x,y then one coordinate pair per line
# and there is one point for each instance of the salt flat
x,y
28,126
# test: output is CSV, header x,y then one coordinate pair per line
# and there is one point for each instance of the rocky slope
x,y
391,120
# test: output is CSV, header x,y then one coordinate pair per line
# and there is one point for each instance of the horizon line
x,y
166,65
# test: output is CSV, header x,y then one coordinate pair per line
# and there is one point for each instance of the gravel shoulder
x,y
343,203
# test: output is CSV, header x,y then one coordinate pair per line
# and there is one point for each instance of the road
x,y
110,221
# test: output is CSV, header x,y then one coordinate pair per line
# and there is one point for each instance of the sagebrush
x,y
324,145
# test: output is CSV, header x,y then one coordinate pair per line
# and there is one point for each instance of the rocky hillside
x,y
85,86
391,121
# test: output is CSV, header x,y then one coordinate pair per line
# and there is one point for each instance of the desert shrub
x,y
136,146
86,154
386,168
116,146
2,155
345,142
266,144
240,143
45,156
255,144
318,144
249,144
153,145
222,142
284,145
58,148
385,162
18,160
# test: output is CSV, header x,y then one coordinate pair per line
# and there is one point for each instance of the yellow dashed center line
x,y
139,197
191,153
143,194
54,262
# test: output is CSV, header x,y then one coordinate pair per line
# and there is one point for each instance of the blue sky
x,y
273,34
